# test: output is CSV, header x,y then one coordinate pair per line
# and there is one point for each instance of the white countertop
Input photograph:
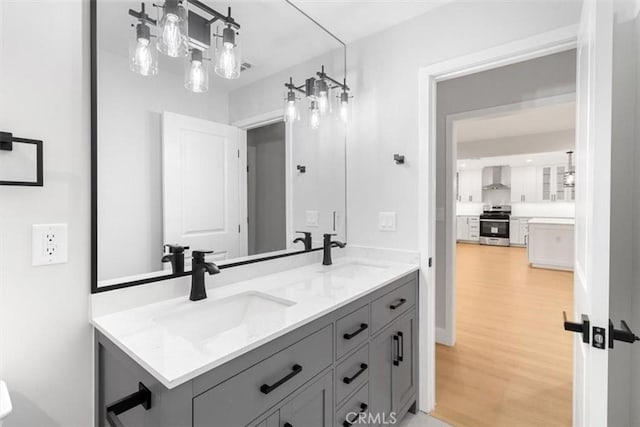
x,y
553,221
174,357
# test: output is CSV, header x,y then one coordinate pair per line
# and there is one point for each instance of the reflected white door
x,y
201,197
593,182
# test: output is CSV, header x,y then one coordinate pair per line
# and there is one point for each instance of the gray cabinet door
x,y
404,372
380,355
311,407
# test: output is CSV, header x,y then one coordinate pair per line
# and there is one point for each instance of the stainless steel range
x,y
494,225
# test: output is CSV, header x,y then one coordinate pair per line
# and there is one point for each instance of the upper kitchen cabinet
x,y
550,183
469,186
523,184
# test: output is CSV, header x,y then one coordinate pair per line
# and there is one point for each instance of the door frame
x,y
447,335
559,40
257,121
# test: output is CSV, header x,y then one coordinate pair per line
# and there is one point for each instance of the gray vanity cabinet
x,y
341,363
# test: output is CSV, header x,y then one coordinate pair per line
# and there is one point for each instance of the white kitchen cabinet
x,y
518,231
468,228
551,243
469,188
550,183
523,184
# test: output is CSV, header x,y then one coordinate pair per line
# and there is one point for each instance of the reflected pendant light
x,y
173,30
143,57
228,59
197,72
314,115
344,106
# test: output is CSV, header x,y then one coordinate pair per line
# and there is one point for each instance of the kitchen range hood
x,y
496,178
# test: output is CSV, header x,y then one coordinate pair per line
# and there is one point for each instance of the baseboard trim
x,y
443,337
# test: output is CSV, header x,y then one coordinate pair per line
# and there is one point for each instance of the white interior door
x,y
201,190
593,181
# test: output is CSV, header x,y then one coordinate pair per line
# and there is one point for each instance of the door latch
x,y
623,334
582,328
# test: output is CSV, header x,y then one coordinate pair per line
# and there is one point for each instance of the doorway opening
x,y
507,247
266,188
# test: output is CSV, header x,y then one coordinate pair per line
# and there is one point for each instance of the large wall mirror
x,y
213,129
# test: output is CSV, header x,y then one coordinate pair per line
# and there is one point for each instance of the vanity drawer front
x,y
389,306
347,415
352,373
243,397
352,330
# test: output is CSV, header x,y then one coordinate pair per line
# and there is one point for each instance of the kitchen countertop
x,y
554,221
150,336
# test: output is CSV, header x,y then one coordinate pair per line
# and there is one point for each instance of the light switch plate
x,y
312,218
387,221
49,244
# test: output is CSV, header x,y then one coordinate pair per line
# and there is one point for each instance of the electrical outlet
x,y
311,218
49,244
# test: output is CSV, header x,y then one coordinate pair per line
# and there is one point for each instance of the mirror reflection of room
x,y
221,141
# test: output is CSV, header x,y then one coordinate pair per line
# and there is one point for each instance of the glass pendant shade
x,y
196,75
228,59
314,115
570,174
143,56
173,29
322,96
344,108
291,112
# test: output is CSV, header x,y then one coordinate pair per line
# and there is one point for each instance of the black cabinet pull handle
x,y
401,347
347,423
140,397
363,367
396,340
394,306
295,370
363,327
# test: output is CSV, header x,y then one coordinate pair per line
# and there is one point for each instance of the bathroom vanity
x,y
312,346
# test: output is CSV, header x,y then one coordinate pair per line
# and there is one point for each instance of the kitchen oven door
x,y
494,228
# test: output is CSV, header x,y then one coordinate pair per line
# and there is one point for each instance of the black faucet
x,y
175,257
328,244
198,268
306,240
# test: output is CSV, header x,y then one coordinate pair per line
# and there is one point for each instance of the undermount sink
x,y
203,320
353,270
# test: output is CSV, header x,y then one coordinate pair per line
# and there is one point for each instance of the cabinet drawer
x,y
351,331
243,397
389,306
347,415
474,221
352,373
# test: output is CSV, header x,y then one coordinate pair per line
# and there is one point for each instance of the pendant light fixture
x,y
314,114
143,57
228,59
197,72
173,34
344,106
291,112
570,174
183,32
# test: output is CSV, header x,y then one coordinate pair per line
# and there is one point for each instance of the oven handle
x,y
494,220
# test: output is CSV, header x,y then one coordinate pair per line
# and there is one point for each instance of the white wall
x,y
522,144
45,340
130,111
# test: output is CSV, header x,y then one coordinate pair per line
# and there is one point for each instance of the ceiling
x,y
531,121
351,20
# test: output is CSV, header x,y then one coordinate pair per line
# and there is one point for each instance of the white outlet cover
x,y
49,244
387,221
311,218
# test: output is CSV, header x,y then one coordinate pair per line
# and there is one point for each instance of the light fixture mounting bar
x,y
142,15
292,86
324,76
217,16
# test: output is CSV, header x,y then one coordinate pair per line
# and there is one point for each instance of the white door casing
x,y
201,191
593,186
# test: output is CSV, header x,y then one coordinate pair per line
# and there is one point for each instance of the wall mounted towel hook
x,y
399,159
301,168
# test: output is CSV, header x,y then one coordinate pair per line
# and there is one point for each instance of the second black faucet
x,y
327,245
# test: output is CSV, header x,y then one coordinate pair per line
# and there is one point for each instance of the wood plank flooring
x,y
512,362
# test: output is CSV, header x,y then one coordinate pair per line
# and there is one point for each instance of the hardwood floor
x,y
512,361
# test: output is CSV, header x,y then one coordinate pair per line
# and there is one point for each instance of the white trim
x,y
448,336
265,119
544,44
260,120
